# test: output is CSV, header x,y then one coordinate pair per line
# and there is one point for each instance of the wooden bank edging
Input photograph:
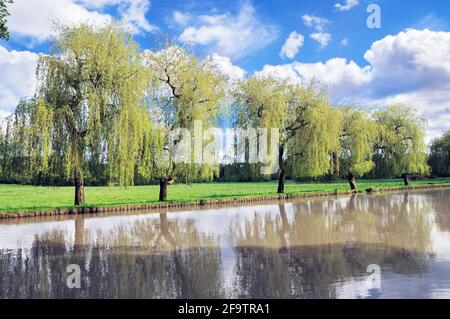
x,y
204,202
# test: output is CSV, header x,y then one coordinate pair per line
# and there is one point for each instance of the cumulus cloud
x,y
411,67
181,18
347,5
319,25
18,80
342,77
315,22
226,67
132,14
414,67
292,45
234,36
323,38
36,20
410,60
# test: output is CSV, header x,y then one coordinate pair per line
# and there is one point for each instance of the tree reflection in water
x,y
441,207
327,242
156,259
306,249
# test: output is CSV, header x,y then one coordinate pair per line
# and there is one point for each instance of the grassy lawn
x,y
15,198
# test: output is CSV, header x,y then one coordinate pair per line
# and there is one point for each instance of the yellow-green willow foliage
x,y
93,86
126,142
186,90
40,134
316,141
358,132
308,126
400,145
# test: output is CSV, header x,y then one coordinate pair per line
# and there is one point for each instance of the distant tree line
x,y
439,159
106,112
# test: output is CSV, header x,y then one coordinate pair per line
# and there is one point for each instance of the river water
x,y
361,246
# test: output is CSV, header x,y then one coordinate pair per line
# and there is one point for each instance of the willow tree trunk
x,y
281,181
405,179
165,230
79,190
352,203
352,181
79,232
334,176
282,177
163,189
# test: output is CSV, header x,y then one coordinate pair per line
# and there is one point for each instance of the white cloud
x,y
315,22
18,80
347,5
234,36
226,67
342,77
322,38
410,60
319,24
132,14
36,20
282,72
292,45
97,4
412,67
181,18
344,41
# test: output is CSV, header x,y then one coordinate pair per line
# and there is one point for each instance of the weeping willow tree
x,y
187,93
358,132
400,146
308,126
90,104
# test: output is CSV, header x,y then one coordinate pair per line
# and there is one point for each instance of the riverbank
x,y
28,201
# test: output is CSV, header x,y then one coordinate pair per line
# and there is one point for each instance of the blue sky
x,y
406,60
285,16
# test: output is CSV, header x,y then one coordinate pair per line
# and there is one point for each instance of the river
x,y
363,246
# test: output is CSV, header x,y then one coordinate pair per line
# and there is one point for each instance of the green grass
x,y
15,198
